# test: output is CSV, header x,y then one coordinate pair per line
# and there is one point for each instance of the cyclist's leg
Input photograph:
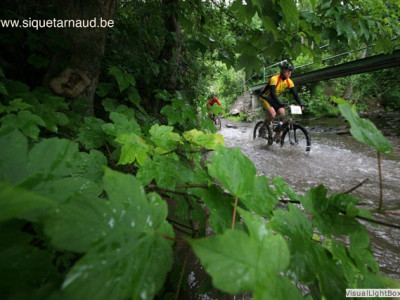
x,y
281,114
270,115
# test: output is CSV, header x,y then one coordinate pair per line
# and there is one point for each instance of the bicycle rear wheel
x,y
298,137
257,129
268,134
217,121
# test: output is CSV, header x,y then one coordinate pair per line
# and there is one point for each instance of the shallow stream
x,y
339,162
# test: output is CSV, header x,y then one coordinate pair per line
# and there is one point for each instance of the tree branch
x,y
356,187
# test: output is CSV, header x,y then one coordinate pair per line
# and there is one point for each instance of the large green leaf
x,y
23,266
62,160
63,189
234,170
256,225
292,222
14,105
91,134
134,97
164,138
124,80
360,251
239,263
103,89
167,170
263,198
49,107
365,131
328,214
220,207
270,27
60,156
20,203
332,281
304,259
248,62
64,174
344,27
244,12
282,189
309,260
290,11
134,148
89,165
25,121
174,116
243,46
126,254
340,253
207,140
13,156
124,123
258,3
384,44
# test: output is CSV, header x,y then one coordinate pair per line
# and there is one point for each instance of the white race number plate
x,y
295,109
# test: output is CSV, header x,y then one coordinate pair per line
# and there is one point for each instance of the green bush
x,y
317,105
391,100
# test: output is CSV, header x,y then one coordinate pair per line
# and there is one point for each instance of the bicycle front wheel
x,y
296,136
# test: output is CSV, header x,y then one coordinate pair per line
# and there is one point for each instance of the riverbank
x,y
387,122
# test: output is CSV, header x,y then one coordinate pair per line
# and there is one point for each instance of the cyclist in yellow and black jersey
x,y
274,87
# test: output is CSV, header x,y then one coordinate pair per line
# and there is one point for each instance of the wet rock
x,y
343,129
241,105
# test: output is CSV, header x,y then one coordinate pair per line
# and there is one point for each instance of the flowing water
x,y
339,162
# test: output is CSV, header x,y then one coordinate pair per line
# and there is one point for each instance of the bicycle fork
x,y
292,135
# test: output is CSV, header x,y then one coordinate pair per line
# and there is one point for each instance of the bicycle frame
x,y
287,119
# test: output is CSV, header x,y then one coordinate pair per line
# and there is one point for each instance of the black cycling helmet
x,y
286,66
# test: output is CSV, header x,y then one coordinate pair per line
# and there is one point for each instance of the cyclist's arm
x,y
265,88
296,96
272,89
263,91
217,101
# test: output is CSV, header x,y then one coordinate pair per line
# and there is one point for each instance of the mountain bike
x,y
289,134
217,121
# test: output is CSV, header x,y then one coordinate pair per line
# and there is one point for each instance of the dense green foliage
x,y
92,206
80,219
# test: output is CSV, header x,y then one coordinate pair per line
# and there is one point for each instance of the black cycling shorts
x,y
268,102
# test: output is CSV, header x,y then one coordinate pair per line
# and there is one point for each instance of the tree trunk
x,y
172,49
78,80
349,90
